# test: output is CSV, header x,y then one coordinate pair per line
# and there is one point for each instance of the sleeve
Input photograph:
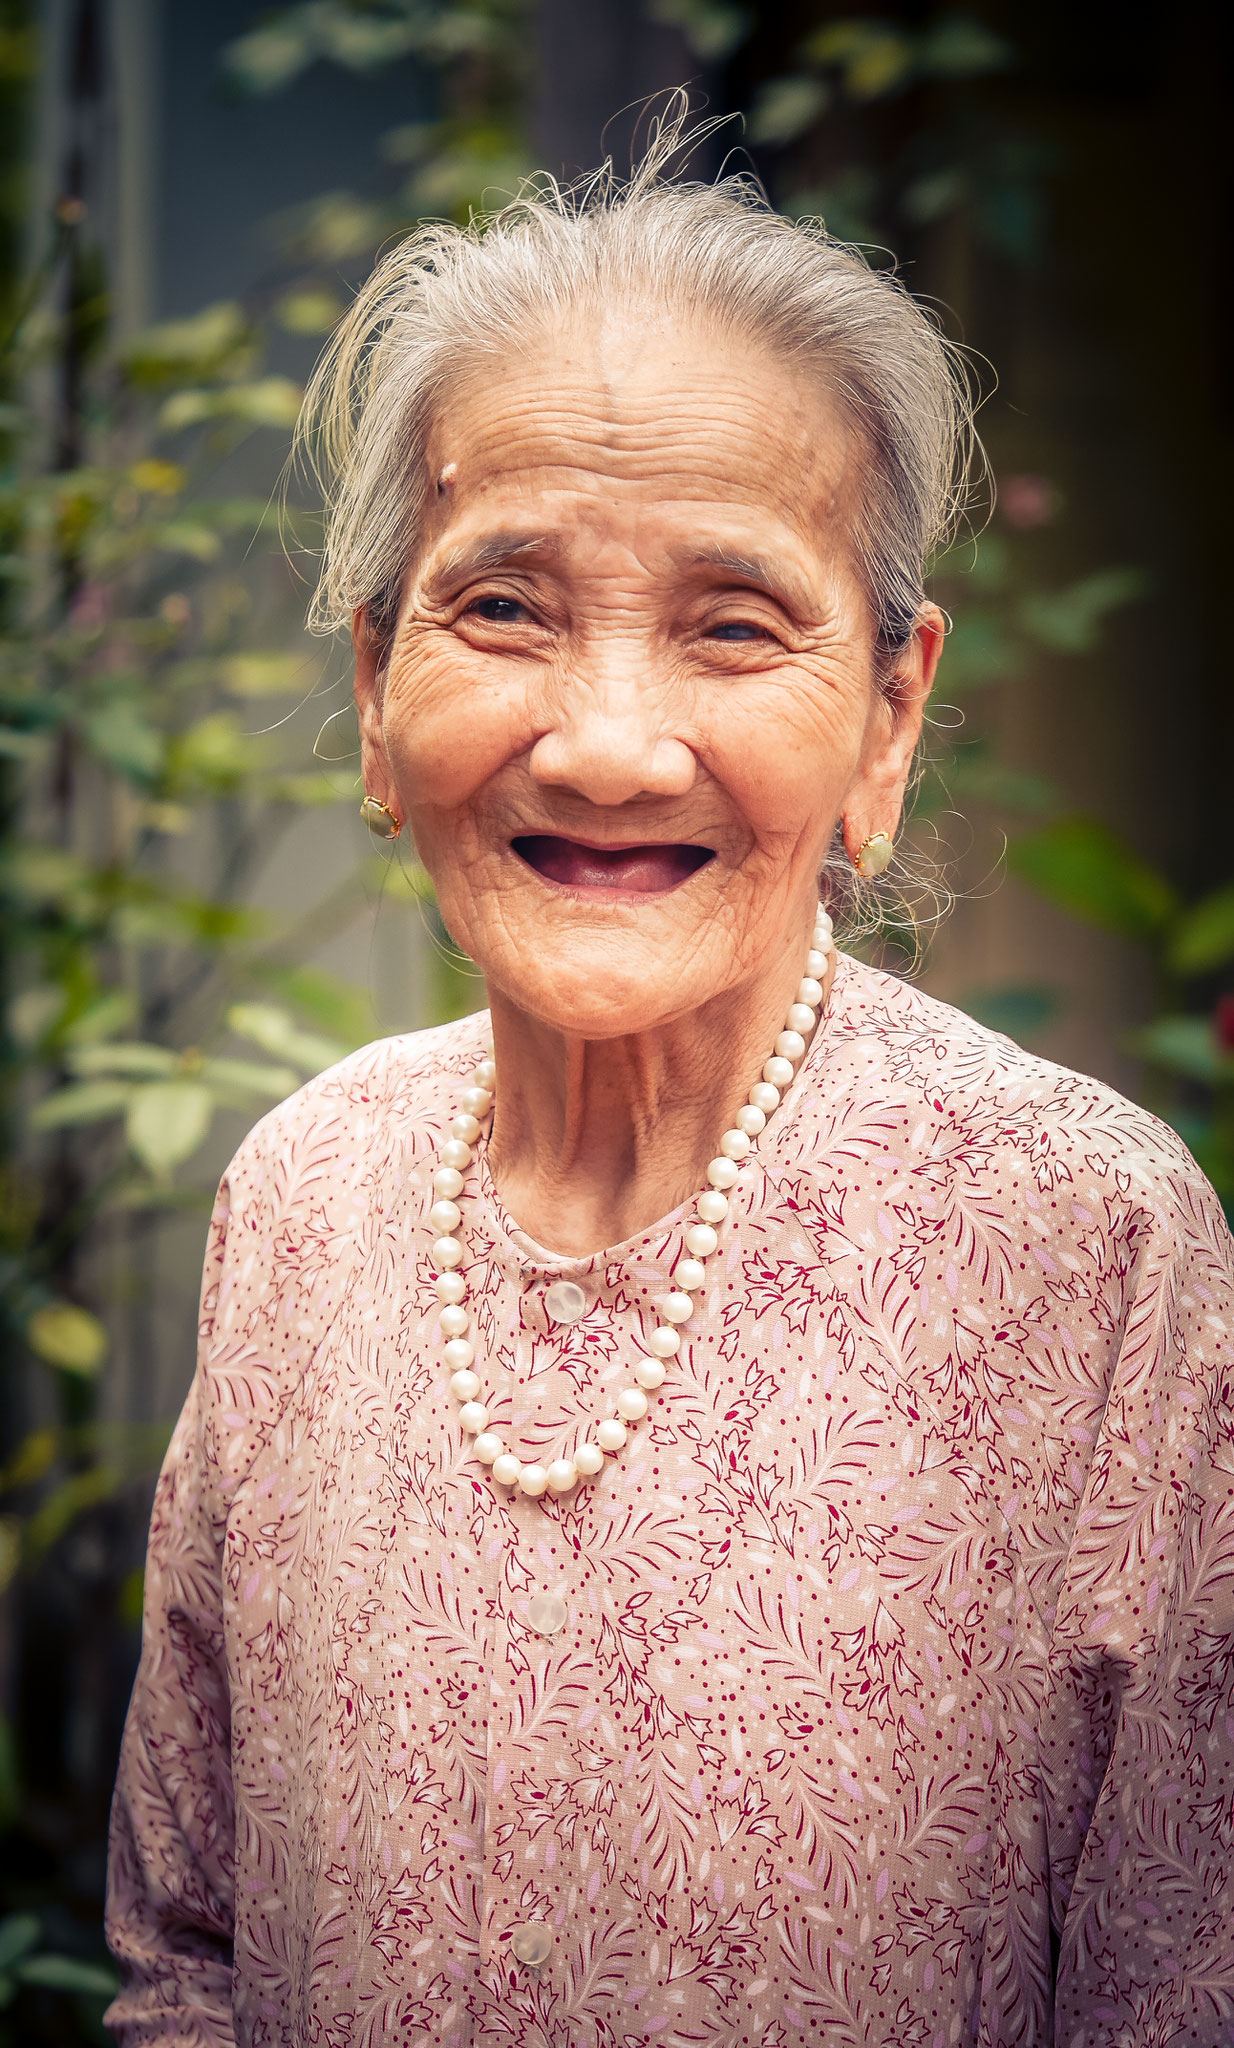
x,y
1138,1726
170,1879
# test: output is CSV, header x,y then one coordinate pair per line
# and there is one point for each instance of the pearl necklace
x,y
700,1241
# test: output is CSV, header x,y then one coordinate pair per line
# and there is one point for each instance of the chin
x,y
607,982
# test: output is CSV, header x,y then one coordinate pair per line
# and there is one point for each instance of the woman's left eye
x,y
736,629
499,611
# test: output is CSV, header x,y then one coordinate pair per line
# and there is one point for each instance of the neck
x,y
594,1140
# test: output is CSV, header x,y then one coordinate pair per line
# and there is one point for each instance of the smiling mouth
x,y
610,870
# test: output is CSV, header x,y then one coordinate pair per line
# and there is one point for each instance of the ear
x,y
370,688
877,794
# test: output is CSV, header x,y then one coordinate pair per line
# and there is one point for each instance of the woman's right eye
x,y
499,611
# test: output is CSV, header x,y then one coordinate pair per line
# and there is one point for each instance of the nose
x,y
610,741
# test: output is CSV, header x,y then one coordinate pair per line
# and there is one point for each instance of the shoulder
x,y
360,1118
310,1200
989,1108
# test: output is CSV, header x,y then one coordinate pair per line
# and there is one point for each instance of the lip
x,y
632,870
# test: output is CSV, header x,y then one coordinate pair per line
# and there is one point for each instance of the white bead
x,y
453,1321
749,1120
800,1018
451,1287
561,1475
506,1469
632,1404
701,1240
612,1434
712,1206
476,1102
444,1217
823,942
722,1173
533,1479
763,1096
473,1417
677,1308
488,1447
458,1354
822,917
465,1128
588,1459
778,1071
735,1145
485,1075
790,1045
816,965
691,1274
455,1153
810,991
649,1372
464,1385
664,1341
447,1182
447,1254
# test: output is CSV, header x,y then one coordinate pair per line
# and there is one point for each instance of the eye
x,y
499,611
736,629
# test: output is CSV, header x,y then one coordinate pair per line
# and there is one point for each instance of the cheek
x,y
448,729
788,754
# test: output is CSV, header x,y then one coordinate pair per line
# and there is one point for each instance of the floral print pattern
x,y
894,1700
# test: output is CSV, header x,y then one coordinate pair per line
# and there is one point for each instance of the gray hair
x,y
448,297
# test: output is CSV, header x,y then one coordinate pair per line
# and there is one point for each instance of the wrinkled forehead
x,y
630,414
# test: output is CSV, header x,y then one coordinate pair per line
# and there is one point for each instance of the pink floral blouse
x,y
885,1693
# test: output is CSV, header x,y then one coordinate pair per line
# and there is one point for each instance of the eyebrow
x,y
759,570
489,552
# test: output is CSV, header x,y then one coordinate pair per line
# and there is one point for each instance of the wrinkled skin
x,y
634,621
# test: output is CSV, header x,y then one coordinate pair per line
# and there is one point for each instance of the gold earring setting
x,y
380,819
875,856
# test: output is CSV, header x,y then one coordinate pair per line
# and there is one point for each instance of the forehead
x,y
645,414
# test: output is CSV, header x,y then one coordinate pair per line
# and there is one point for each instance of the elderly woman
x,y
705,1514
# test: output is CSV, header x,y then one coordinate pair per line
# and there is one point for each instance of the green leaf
x,y
267,402
65,1973
125,740
131,1058
342,1008
110,1010
277,1033
248,1078
1019,1010
959,47
167,1121
1070,621
83,1102
265,675
711,29
1184,1045
216,340
785,107
1204,935
1086,869
18,1934
874,57
68,1337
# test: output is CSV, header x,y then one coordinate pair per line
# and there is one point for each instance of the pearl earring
x,y
380,819
875,855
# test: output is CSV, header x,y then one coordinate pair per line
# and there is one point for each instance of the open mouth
x,y
610,870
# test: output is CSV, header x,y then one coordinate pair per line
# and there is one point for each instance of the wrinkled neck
x,y
594,1140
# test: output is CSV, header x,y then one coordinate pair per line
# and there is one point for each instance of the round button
x,y
532,1944
547,1612
565,1301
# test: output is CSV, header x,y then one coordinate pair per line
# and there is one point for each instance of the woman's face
x,y
632,688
